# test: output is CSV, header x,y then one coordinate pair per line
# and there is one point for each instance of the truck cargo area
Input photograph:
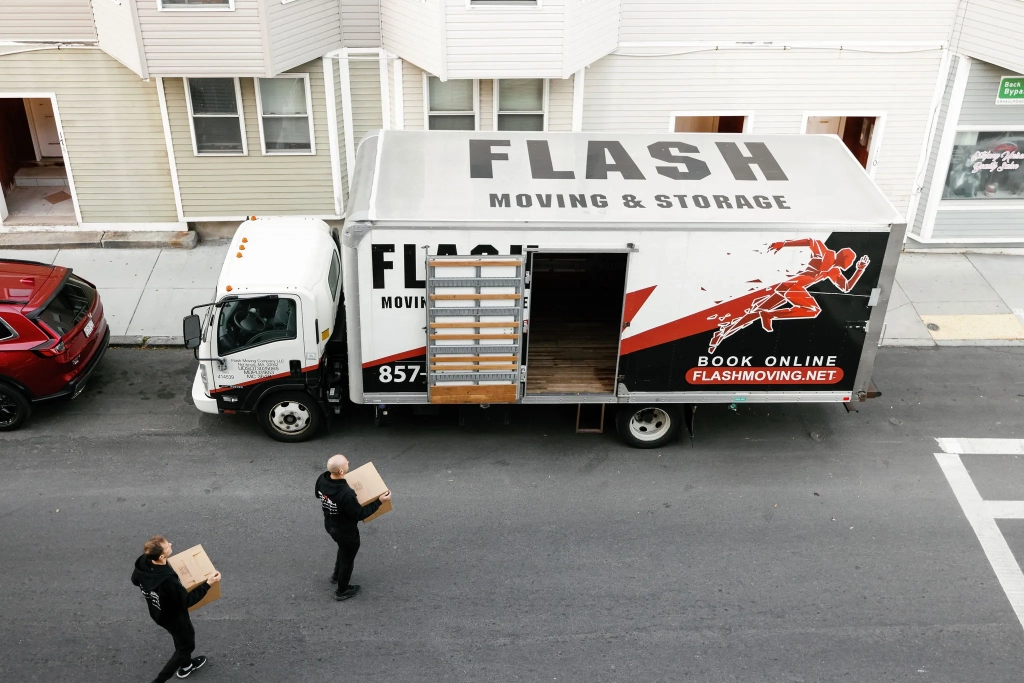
x,y
575,313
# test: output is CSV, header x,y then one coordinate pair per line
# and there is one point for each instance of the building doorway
x,y
856,132
33,175
575,316
725,122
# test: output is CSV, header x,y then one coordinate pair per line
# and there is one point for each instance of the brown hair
x,y
154,547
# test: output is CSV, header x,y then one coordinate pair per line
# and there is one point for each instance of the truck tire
x,y
15,409
289,416
648,426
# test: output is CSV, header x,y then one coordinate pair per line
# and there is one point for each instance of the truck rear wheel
x,y
290,416
648,426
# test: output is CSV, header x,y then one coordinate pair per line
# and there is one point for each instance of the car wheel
x,y
289,416
14,408
650,426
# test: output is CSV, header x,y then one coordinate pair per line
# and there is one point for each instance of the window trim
x,y
241,122
748,118
876,133
496,87
504,4
4,325
426,103
309,117
230,7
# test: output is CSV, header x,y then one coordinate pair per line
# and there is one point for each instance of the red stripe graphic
x,y
635,301
702,321
422,351
279,375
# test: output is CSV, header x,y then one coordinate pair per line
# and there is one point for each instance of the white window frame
x,y
504,4
544,104
968,205
876,134
426,104
309,116
748,118
241,123
196,8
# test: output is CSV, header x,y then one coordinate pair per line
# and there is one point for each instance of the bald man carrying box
x,y
342,513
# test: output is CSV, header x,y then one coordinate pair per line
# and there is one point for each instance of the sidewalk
x,y
939,299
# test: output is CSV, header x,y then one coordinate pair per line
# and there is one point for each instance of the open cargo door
x,y
474,328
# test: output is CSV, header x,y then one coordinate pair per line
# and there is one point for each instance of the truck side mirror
x,y
192,329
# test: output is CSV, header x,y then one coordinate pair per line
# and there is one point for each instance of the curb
x,y
146,342
74,239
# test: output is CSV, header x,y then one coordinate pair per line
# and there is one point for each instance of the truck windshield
x,y
69,307
245,323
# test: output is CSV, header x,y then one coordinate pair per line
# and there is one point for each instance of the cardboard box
x,y
369,486
193,567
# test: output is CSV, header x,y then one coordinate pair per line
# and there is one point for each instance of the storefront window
x,y
986,165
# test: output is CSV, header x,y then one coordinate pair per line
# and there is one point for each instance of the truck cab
x,y
261,341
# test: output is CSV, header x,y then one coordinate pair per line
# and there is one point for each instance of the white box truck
x,y
649,271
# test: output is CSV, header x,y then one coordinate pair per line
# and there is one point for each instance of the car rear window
x,y
5,331
67,309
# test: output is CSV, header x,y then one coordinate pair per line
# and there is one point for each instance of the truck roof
x,y
594,180
279,253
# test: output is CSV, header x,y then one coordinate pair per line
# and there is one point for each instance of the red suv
x,y
52,336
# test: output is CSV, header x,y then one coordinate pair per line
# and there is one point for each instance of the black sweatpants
x,y
184,644
346,558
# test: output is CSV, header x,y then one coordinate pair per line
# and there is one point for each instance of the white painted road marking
x,y
982,514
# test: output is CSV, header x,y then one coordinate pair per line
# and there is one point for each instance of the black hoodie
x,y
167,599
340,505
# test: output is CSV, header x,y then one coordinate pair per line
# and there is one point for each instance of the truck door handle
x,y
295,367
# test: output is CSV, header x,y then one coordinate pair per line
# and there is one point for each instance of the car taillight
x,y
51,348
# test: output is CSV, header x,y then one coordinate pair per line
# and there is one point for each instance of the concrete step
x,y
34,176
81,239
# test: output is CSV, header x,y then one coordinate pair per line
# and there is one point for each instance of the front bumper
x,y
199,397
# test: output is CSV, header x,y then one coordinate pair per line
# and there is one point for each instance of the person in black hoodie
x,y
168,603
342,513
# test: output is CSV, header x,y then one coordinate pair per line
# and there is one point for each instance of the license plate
x,y
89,327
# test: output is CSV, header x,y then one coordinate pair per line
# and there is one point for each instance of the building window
x,y
215,116
986,165
856,132
285,110
709,123
521,104
451,104
197,4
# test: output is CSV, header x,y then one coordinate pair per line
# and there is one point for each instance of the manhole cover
x,y
932,326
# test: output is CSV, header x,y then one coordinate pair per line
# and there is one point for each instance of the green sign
x,y
1011,90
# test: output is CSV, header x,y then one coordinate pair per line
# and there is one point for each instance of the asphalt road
x,y
789,543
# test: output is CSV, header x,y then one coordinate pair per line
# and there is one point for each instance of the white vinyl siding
x,y
115,28
560,104
203,43
112,130
487,104
978,224
233,186
302,30
511,41
364,76
990,30
591,32
412,96
47,21
412,29
979,107
759,20
639,94
360,23
933,154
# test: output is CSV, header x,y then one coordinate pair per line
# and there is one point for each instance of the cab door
x,y
257,339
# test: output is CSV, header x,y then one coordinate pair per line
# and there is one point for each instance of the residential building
x,y
167,113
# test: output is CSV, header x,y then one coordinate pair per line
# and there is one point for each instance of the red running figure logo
x,y
825,264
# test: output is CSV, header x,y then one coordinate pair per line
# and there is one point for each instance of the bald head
x,y
337,465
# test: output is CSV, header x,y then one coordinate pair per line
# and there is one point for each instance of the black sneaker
x,y
196,663
349,592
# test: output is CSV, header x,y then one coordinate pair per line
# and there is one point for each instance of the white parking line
x,y
982,514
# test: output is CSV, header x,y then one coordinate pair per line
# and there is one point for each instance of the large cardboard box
x,y
193,567
369,486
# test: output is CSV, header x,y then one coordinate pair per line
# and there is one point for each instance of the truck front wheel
x,y
647,426
289,416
